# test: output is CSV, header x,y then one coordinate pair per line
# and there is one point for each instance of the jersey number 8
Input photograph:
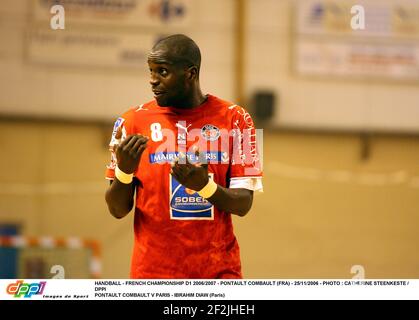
x,y
156,134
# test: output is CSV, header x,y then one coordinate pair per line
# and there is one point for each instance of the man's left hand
x,y
192,176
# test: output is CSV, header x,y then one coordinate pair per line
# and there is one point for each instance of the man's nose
x,y
153,80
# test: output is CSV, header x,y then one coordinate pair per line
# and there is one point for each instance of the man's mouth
x,y
158,93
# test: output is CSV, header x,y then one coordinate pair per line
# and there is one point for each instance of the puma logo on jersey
x,y
180,126
141,108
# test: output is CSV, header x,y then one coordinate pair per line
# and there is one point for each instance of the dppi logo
x,y
19,288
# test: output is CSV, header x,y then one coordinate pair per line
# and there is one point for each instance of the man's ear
x,y
192,72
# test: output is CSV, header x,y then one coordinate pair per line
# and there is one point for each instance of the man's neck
x,y
195,100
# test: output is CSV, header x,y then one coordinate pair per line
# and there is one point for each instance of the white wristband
x,y
209,190
122,176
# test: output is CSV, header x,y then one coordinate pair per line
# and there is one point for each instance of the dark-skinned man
x,y
187,161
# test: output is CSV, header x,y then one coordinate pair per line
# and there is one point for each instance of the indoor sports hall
x,y
333,89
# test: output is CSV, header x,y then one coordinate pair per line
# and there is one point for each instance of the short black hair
x,y
180,49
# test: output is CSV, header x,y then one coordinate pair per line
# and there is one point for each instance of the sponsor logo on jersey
x,y
117,124
210,132
186,204
118,133
168,157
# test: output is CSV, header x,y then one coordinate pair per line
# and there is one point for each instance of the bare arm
x,y
236,201
120,196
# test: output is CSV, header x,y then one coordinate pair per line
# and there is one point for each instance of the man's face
x,y
168,81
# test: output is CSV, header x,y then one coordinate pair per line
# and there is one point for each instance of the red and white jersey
x,y
179,234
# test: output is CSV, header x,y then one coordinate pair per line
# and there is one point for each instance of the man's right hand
x,y
128,153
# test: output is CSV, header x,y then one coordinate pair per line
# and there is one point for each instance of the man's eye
x,y
163,72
